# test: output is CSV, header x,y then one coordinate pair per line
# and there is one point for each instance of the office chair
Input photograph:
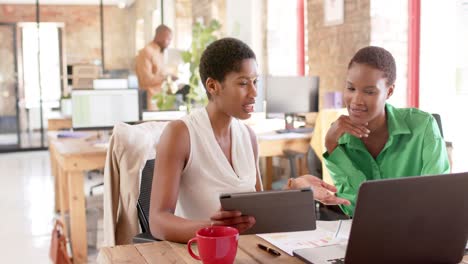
x,y
448,144
90,176
143,204
439,123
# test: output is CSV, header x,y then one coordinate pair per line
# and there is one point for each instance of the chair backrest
x,y
323,122
143,204
130,147
439,123
314,164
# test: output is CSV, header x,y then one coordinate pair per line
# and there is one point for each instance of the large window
x,y
282,37
443,70
461,44
50,64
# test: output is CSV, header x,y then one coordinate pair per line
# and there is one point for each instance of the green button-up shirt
x,y
415,147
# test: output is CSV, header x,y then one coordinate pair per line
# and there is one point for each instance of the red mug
x,y
216,244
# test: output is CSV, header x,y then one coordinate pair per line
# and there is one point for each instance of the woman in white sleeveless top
x,y
210,151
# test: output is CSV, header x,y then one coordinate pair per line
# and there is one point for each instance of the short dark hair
x,y
162,28
378,58
221,57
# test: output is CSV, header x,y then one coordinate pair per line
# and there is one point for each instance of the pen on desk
x,y
269,250
338,229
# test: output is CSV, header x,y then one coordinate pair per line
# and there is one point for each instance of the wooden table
x,y
70,158
272,145
58,123
168,252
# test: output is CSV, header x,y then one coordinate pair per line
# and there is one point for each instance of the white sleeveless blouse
x,y
208,173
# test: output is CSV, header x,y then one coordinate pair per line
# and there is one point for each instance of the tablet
x,y
274,211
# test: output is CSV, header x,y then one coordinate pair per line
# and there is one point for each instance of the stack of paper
x,y
327,233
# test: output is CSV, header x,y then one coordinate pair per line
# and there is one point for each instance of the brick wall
x,y
7,79
331,47
82,30
366,22
208,10
143,9
182,36
117,38
202,9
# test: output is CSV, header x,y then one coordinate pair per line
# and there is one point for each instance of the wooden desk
x,y
272,144
58,123
71,157
168,252
55,123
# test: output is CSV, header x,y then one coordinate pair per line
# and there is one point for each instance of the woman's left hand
x,y
323,192
234,219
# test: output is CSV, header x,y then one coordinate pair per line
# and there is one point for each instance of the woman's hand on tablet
x,y
234,219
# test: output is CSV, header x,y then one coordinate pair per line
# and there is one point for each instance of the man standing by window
x,y
150,64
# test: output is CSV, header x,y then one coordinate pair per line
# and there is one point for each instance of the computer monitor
x,y
260,98
102,109
291,95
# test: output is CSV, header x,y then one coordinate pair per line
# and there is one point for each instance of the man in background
x,y
150,64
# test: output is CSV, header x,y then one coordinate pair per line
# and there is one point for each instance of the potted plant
x,y
202,36
66,105
166,99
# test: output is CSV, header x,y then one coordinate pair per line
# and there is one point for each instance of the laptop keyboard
x,y
336,261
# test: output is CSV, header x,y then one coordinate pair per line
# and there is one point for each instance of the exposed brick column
x,y
331,47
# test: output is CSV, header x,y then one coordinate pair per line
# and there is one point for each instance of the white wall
x,y
282,38
243,21
438,62
438,53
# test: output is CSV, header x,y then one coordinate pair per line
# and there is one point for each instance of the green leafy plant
x,y
165,100
202,36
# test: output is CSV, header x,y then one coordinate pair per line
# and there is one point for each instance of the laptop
x,y
420,219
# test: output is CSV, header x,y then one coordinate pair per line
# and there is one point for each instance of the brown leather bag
x,y
58,245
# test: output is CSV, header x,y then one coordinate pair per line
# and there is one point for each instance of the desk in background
x,y
56,122
59,122
272,145
70,158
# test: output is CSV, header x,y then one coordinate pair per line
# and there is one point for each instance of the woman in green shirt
x,y
377,140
